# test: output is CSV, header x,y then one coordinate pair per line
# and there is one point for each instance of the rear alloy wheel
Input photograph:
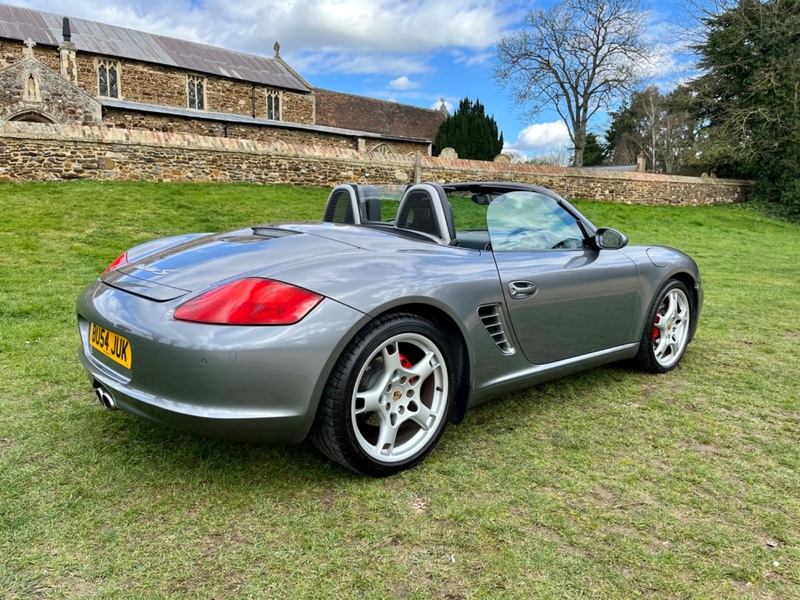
x,y
666,333
389,397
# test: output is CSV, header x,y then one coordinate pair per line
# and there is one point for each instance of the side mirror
x,y
610,239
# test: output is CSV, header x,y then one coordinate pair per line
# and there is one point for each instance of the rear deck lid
x,y
201,262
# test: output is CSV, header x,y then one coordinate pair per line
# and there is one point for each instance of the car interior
x,y
425,211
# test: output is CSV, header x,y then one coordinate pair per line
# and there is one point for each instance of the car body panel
x,y
216,374
672,264
584,301
203,261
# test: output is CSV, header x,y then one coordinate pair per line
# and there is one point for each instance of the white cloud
x,y
471,59
672,59
403,83
327,61
362,37
541,137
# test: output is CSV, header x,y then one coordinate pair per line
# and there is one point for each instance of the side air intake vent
x,y
492,318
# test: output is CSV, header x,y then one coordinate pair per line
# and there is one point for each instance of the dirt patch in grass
x,y
706,449
603,498
548,535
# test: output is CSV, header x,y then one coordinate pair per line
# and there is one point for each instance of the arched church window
x,y
274,105
197,92
108,78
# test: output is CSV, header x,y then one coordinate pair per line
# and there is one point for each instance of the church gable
x,y
30,91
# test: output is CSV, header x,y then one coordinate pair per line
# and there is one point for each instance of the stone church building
x,y
59,69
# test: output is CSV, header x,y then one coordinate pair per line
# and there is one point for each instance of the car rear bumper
x,y
245,383
267,427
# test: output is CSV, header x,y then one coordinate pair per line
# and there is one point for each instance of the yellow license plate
x,y
114,346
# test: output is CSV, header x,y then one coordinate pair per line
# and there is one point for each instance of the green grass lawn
x,y
608,484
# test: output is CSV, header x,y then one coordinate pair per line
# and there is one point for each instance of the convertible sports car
x,y
371,330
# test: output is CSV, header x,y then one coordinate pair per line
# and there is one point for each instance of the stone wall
x,y
40,152
296,108
126,119
140,82
12,52
129,119
144,83
380,146
593,184
87,74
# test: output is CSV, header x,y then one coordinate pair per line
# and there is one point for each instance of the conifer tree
x,y
470,132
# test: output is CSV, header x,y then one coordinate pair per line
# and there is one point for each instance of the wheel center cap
x,y
397,395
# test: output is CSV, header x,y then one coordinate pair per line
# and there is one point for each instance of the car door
x,y
565,297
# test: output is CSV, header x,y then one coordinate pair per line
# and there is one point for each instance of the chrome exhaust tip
x,y
105,398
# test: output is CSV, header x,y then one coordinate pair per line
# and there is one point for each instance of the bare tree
x,y
560,157
655,124
577,57
515,156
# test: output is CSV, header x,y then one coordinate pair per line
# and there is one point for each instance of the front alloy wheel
x,y
389,397
667,330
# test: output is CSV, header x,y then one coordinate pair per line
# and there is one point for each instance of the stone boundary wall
x,y
44,152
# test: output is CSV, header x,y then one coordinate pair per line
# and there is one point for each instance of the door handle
x,y
519,290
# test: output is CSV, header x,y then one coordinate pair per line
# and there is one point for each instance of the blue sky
x,y
410,51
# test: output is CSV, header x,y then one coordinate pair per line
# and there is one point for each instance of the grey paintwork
x,y
585,301
265,383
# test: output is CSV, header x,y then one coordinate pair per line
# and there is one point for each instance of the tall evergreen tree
x,y
749,96
593,153
470,132
621,146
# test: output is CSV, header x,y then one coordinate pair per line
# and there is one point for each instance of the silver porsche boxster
x,y
369,331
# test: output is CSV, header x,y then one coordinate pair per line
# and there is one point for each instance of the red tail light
x,y
250,302
118,262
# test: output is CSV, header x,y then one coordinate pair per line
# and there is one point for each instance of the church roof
x,y
45,28
337,109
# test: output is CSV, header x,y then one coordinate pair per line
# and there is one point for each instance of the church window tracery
x,y
197,92
273,105
108,78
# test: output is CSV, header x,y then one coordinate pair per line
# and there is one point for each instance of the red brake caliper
x,y
406,364
655,329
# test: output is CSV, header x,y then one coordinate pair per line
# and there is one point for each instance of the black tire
x,y
376,416
667,330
